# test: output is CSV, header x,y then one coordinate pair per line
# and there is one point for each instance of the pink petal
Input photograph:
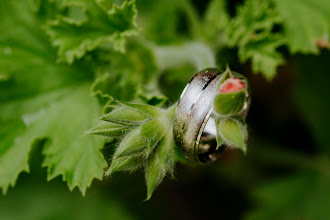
x,y
231,85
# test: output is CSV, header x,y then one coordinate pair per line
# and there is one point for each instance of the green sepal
x,y
219,139
154,130
233,132
160,163
129,163
133,144
150,110
110,130
149,143
126,116
229,104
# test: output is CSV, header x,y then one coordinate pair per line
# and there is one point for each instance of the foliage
x,y
63,61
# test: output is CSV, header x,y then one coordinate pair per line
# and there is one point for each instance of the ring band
x,y
194,127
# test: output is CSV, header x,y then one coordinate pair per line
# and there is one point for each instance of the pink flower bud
x,y
231,85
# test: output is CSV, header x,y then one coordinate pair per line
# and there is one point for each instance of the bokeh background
x,y
284,175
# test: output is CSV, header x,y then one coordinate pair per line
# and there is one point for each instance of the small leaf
x,y
233,132
126,116
160,163
110,129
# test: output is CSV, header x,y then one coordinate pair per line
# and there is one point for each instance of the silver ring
x,y
194,126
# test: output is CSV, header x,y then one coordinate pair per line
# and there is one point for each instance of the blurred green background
x,y
285,174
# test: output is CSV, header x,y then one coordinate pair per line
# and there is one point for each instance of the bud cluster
x,y
230,107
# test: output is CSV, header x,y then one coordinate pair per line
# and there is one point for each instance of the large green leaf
x,y
96,23
306,24
42,99
122,76
252,32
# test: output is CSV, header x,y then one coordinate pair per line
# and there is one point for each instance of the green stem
x,y
194,53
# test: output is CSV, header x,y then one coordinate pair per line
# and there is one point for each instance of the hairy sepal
x,y
229,104
126,116
133,144
161,163
111,130
233,132
220,141
149,110
128,163
149,144
154,131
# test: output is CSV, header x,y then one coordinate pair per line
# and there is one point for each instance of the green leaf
x,y
101,25
252,32
160,163
263,54
306,23
13,159
61,123
233,132
42,99
72,154
126,76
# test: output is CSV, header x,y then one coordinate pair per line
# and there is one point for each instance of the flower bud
x,y
231,97
233,132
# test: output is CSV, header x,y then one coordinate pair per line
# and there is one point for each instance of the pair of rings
x,y
194,126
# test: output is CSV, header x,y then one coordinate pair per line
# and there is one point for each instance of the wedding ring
x,y
194,126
